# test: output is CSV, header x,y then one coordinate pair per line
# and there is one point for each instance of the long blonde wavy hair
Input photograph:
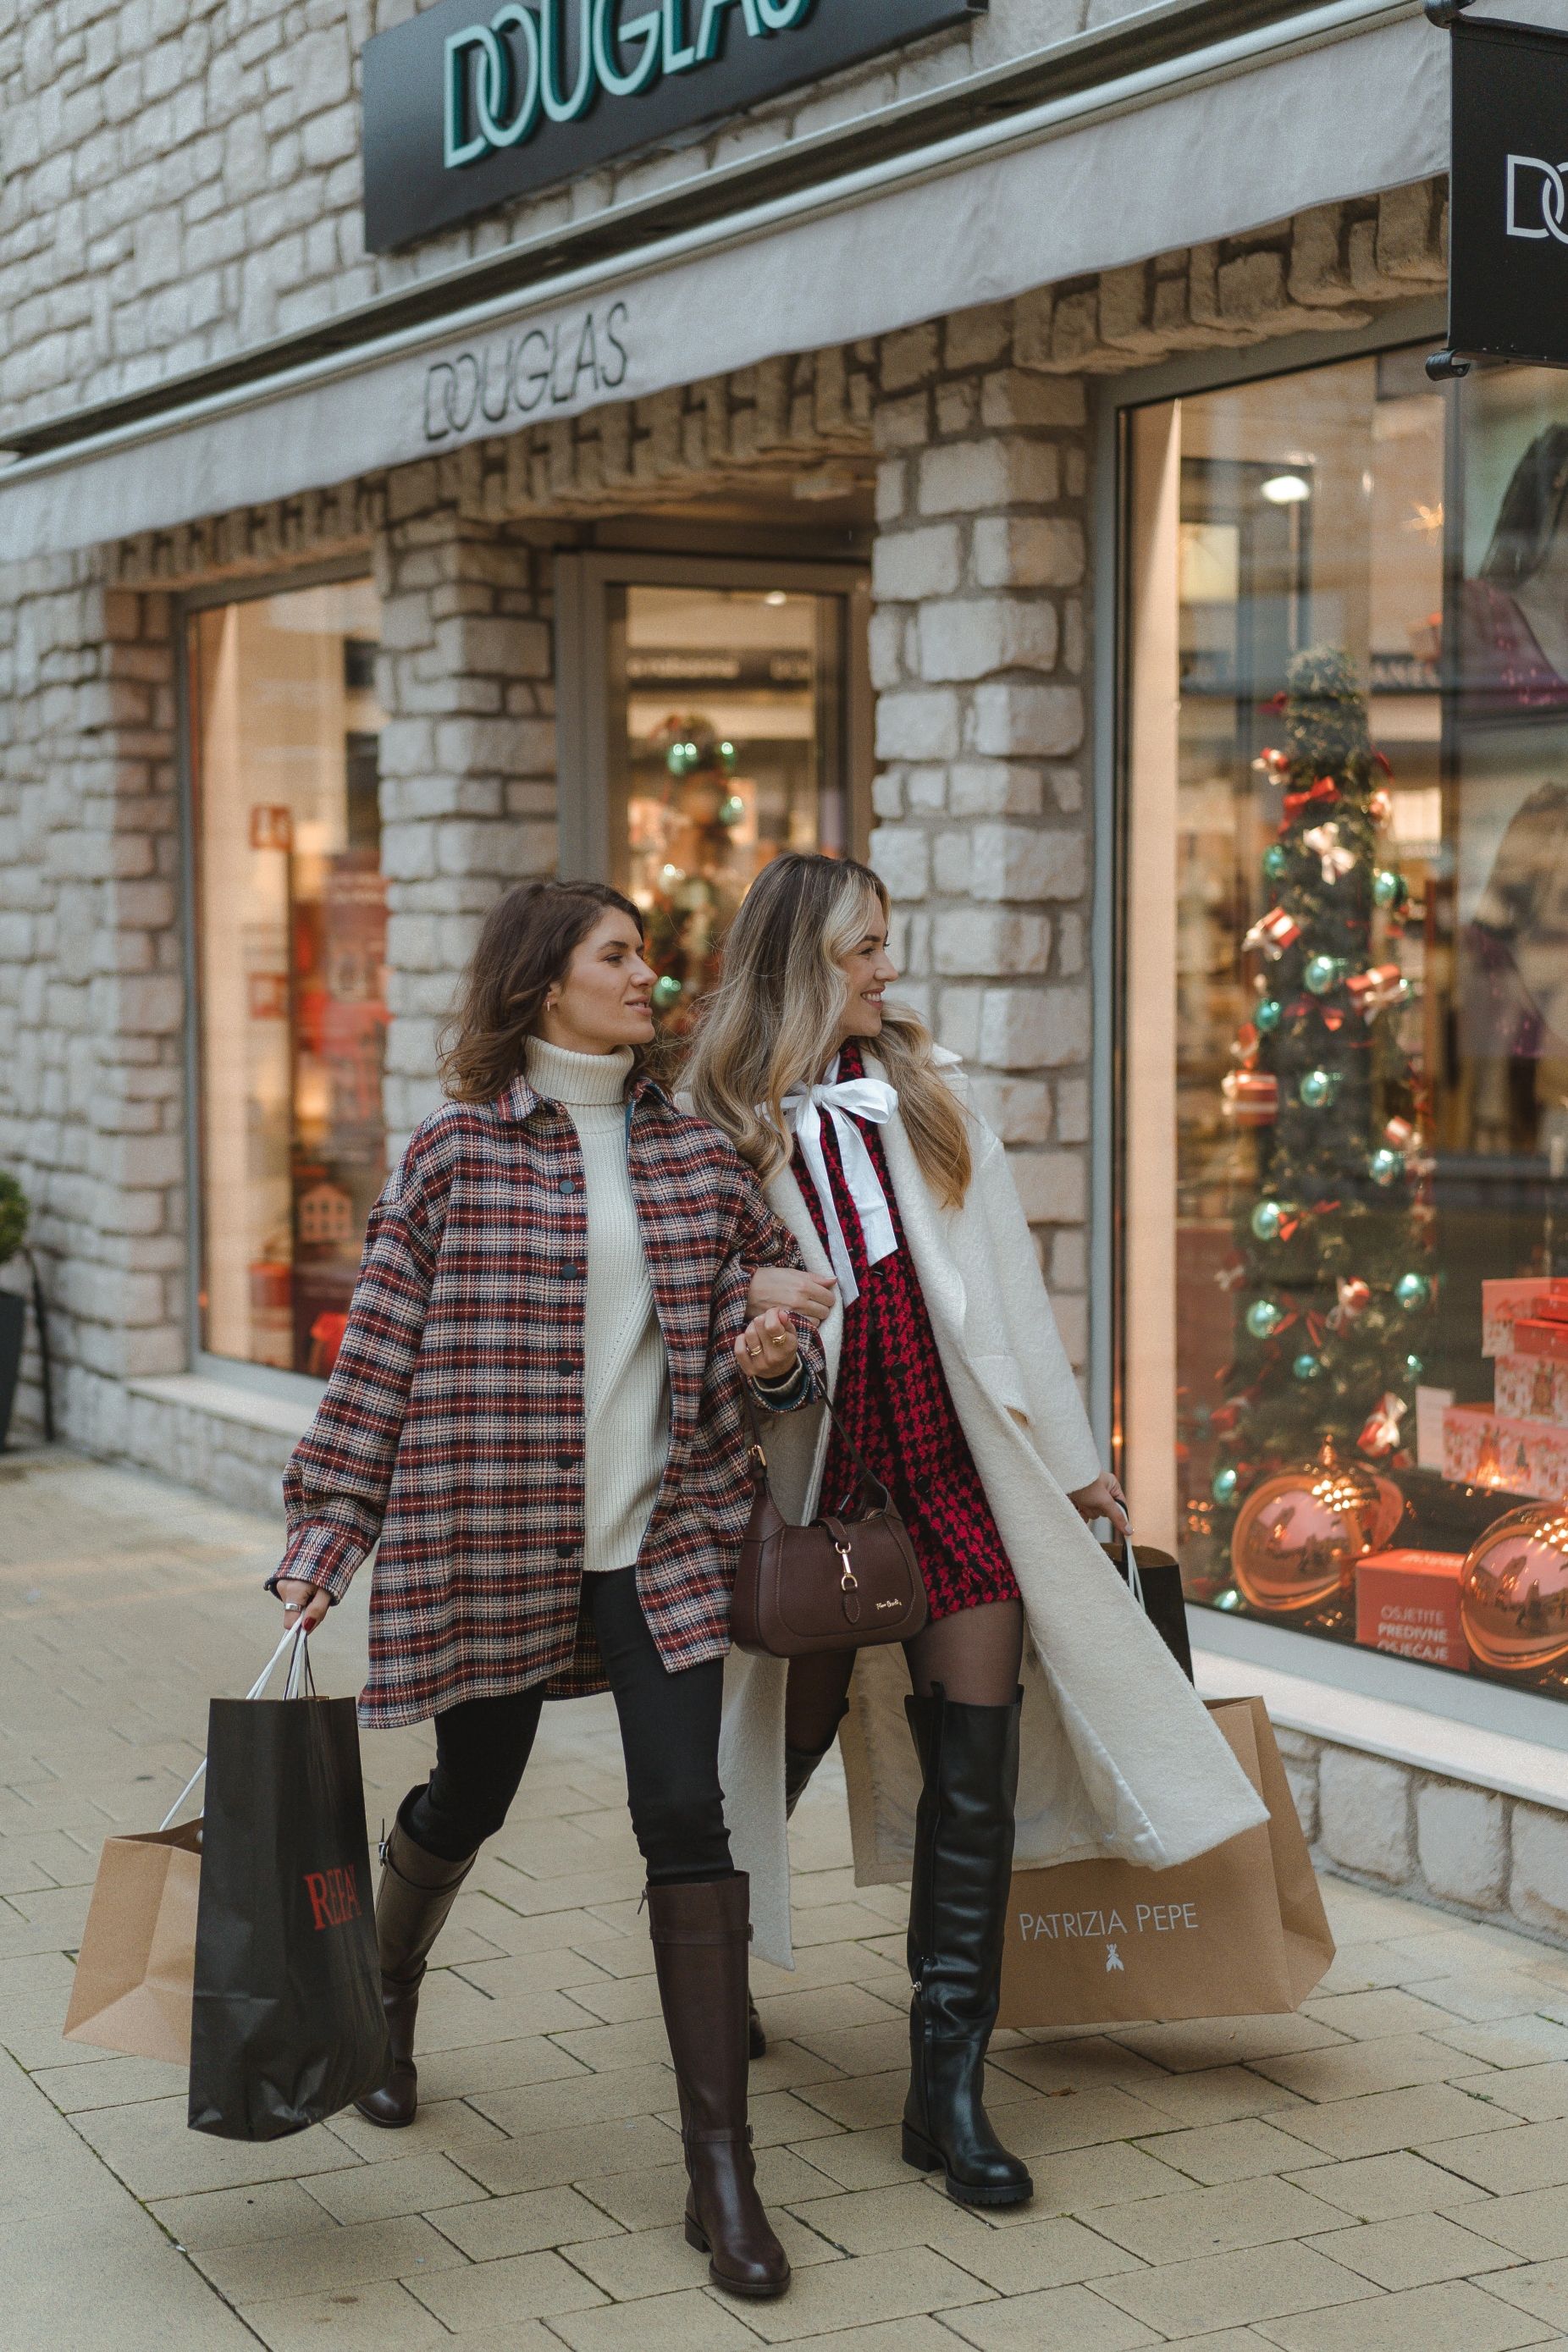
x,y
777,1017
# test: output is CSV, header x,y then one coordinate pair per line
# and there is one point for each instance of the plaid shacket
x,y
452,1428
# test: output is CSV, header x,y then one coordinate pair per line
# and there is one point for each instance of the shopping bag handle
x,y
1129,1565
297,1683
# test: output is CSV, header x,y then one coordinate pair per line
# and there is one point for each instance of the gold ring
x,y
754,1351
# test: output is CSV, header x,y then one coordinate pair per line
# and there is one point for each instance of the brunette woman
x,y
945,1366
536,1412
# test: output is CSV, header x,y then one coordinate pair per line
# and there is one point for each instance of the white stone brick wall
x,y
978,650
1472,1851
182,180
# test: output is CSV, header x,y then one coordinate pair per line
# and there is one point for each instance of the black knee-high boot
x,y
418,1891
958,1908
800,1763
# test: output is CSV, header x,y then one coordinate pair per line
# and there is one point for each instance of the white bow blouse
x,y
845,1101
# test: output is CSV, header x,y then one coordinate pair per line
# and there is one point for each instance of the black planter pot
x,y
12,1324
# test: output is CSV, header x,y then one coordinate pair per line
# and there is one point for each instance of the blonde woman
x,y
944,1363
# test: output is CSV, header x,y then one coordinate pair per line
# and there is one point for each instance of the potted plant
x,y
13,1306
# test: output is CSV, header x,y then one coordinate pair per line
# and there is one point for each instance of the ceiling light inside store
x,y
775,596
1285,490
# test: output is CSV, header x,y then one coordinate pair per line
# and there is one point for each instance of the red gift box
x,y
1408,1602
1505,1303
1485,1448
1533,1388
1538,1335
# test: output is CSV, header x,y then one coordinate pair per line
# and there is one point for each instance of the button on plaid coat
x,y
452,1428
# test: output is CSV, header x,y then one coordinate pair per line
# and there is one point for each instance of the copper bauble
x,y
1514,1590
1298,1535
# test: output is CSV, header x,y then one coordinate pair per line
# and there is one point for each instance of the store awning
x,y
1345,101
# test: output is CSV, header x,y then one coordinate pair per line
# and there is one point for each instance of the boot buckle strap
x,y
729,2136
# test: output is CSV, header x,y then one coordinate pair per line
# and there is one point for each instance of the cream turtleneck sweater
x,y
626,1373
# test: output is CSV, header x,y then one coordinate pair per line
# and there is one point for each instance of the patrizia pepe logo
x,y
1107,1926
500,79
583,355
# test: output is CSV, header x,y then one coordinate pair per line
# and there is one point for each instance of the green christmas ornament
x,y
1388,889
1277,862
1307,1368
666,989
1317,1088
1224,1488
1323,974
1414,1368
1267,1219
1229,1599
1412,1291
1264,1318
1386,1167
1266,1015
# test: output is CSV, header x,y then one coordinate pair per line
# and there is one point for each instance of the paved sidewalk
x,y
1386,2172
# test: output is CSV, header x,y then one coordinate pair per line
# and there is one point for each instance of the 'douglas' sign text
x,y
468,105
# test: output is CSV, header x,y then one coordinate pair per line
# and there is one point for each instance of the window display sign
x,y
465,108
1509,225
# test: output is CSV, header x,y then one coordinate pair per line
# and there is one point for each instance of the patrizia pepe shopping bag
x,y
1240,1932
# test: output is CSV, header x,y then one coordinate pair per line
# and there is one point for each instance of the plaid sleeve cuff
x,y
320,1555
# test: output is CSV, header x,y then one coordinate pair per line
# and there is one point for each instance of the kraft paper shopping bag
x,y
134,1973
1240,1932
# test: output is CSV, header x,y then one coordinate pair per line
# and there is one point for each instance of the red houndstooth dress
x,y
892,1396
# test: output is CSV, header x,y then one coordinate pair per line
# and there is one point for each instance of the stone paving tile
x,y
1419,2250
1225,2041
833,2297
1531,2156
1393,2061
1217,2094
1538,2094
647,2196
1214,2221
552,2159
321,2260
1538,2288
1381,2188
383,2318
238,2217
524,2224
516,2286
1060,2316
1235,2151
631,2267
695,2321
1261,2283
1532,2224
1385,2120
1452,2318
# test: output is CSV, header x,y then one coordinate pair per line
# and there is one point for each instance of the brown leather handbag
x,y
837,1584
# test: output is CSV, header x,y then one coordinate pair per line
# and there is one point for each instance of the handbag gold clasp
x,y
754,1453
849,1582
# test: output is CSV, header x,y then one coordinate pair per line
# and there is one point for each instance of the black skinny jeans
x,y
670,1737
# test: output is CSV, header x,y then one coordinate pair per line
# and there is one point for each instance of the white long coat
x,y
1118,1756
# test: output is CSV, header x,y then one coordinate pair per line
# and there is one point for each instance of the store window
x,y
290,966
1344,1381
726,746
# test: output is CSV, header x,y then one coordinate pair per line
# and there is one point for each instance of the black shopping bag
x,y
1158,1585
286,2022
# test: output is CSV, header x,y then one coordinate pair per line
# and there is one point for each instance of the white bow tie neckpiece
x,y
846,1101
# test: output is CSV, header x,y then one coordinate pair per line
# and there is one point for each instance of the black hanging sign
x,y
468,105
1508,235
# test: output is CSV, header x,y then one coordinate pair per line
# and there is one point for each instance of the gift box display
x,y
1522,1298
1482,1447
1533,1388
1408,1603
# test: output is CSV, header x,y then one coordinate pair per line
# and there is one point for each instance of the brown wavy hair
x,y
528,940
773,1020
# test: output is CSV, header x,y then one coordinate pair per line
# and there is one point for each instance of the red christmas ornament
x,y
1379,807
1399,1134
1381,1434
1272,763
1355,1298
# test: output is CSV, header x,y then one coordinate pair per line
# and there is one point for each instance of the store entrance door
x,y
712,714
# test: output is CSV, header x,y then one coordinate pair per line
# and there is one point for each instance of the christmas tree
x,y
1331,1289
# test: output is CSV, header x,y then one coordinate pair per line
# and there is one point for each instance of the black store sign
x,y
1508,295
468,105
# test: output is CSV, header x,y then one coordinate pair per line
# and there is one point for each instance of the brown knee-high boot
x,y
702,1931
416,1892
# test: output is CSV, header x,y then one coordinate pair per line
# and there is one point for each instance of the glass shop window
x,y
727,738
1344,1379
291,966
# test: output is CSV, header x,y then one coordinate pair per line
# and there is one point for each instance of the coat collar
x,y
520,1100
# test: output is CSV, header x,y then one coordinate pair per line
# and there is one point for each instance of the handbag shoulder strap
x,y
757,1452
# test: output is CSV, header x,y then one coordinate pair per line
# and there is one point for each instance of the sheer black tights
x,y
974,1655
